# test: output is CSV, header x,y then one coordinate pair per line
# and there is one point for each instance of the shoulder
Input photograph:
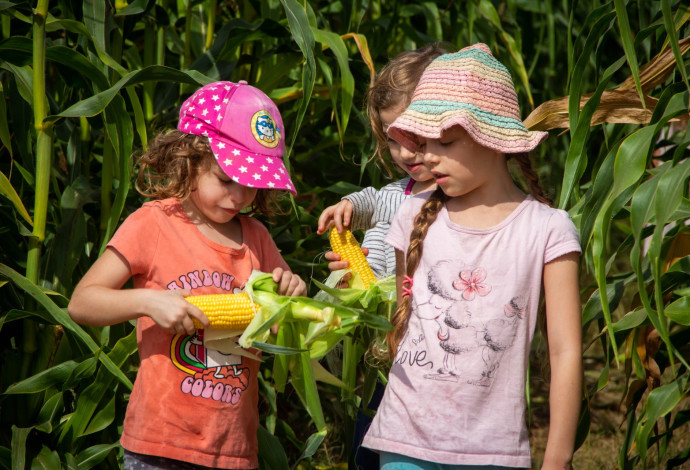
x,y
254,226
159,208
413,204
397,186
561,234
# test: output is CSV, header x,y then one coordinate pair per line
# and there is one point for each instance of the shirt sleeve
x,y
364,205
137,239
399,234
562,236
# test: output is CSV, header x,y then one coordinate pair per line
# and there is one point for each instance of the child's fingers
x,y
199,315
336,265
332,256
325,219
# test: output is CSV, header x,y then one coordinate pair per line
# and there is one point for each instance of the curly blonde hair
x,y
394,87
172,163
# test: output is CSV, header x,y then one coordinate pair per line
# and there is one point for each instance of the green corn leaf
x,y
660,402
92,396
673,40
103,417
679,311
271,453
46,459
312,445
4,128
94,455
8,191
628,45
50,413
303,36
43,380
337,45
19,436
97,103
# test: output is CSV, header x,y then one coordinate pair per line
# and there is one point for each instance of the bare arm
x,y
564,331
98,299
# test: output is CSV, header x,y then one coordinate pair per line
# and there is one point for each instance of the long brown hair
x,y
525,164
172,163
401,317
394,87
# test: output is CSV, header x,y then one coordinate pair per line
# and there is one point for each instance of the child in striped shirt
x,y
372,209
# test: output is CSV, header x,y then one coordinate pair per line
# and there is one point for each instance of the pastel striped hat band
x,y
468,88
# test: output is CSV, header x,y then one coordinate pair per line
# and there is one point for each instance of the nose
x,y
430,157
407,154
238,193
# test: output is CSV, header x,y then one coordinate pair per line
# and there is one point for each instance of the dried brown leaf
x,y
620,105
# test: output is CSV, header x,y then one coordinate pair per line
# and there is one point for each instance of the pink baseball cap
x,y
244,129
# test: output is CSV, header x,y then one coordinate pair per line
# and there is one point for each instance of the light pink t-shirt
x,y
456,388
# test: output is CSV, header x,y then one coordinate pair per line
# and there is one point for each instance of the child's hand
x,y
172,312
288,283
339,214
336,264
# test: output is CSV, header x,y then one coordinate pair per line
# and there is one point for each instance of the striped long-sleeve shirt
x,y
373,212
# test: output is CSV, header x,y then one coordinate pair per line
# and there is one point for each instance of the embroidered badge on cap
x,y
265,130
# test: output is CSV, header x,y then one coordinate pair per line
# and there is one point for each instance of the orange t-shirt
x,y
191,403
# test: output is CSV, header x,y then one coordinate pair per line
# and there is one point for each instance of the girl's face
x,y
218,198
458,163
411,163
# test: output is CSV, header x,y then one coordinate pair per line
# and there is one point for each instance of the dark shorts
x,y
134,461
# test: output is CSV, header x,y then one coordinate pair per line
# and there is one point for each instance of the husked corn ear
x,y
347,247
233,311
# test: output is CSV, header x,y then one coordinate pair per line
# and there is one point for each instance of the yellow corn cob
x,y
233,311
347,247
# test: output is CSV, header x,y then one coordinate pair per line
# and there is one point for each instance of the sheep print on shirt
x,y
189,402
456,387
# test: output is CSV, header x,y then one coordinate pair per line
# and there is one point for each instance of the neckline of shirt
x,y
512,216
216,246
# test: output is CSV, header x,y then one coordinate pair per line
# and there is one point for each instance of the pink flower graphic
x,y
471,283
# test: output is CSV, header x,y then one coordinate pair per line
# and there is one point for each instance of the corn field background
x,y
85,83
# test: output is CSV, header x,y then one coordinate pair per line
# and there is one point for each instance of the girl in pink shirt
x,y
472,259
193,407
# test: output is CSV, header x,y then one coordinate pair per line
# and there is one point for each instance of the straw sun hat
x,y
468,88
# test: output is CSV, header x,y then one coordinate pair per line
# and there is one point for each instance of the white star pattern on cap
x,y
239,156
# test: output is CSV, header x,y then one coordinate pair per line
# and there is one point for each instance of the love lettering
x,y
413,358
